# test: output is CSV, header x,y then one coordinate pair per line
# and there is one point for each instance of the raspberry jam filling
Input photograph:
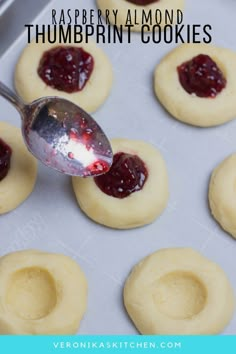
x,y
5,159
127,175
142,2
66,68
201,76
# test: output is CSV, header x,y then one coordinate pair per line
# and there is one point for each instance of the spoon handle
x,y
11,97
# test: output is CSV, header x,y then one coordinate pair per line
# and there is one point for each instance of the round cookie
x,y
21,177
123,6
136,209
30,86
178,291
190,108
41,293
222,194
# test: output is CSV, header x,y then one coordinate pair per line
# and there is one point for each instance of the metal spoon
x,y
62,135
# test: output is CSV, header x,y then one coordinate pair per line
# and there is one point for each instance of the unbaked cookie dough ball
x,y
18,169
178,291
81,73
133,193
197,85
222,194
136,8
41,293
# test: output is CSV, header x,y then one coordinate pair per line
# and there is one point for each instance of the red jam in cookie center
x,y
142,2
66,68
5,159
127,175
201,76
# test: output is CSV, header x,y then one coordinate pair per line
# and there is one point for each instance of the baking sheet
x,y
4,4
50,219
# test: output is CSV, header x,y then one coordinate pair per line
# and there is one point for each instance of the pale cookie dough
x,y
139,208
21,177
178,291
41,293
30,86
124,7
222,194
190,109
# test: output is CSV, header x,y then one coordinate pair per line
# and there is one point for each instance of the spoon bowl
x,y
62,135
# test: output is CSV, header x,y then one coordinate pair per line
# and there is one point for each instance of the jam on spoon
x,y
127,175
66,68
62,135
5,159
201,76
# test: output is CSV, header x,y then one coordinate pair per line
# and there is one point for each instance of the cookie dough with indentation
x,y
124,7
189,108
20,180
222,190
30,86
178,291
41,293
137,209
